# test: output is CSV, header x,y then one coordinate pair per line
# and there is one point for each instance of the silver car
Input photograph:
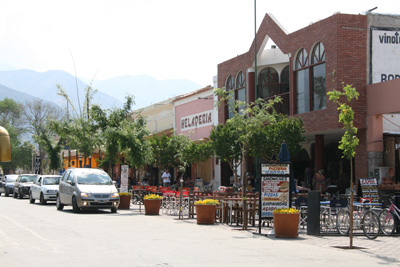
x,y
44,188
8,183
87,188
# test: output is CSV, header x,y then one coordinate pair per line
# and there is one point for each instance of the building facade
x,y
302,67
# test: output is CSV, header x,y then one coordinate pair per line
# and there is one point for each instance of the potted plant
x,y
205,211
286,222
124,200
152,203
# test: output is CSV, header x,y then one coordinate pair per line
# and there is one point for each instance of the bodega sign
x,y
197,120
385,54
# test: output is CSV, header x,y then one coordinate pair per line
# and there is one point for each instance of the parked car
x,y
2,184
44,188
7,185
87,188
23,184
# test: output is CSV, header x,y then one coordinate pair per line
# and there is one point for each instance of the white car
x,y
44,188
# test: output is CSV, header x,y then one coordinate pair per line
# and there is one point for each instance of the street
x,y
39,235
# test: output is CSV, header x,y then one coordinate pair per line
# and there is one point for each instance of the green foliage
x,y
266,142
134,143
349,140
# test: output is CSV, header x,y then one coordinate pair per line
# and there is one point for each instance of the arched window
x,y
310,80
269,87
318,77
240,87
302,82
268,83
229,86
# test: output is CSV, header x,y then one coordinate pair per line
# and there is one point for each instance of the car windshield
x,y
27,179
94,178
51,180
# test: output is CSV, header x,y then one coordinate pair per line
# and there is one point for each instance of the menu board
x,y
124,178
369,189
275,185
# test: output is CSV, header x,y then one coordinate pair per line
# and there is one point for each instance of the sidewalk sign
x,y
274,189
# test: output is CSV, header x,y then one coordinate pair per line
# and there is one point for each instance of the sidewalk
x,y
385,249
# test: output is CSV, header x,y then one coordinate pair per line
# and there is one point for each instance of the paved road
x,y
39,235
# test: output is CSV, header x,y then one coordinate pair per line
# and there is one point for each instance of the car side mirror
x,y
69,182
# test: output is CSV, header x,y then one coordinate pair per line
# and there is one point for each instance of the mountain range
x,y
23,85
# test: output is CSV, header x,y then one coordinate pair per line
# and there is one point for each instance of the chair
x,y
151,189
301,203
167,203
137,194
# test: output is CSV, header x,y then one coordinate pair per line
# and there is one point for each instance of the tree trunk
x,y
244,186
351,202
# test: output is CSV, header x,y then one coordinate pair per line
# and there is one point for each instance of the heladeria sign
x,y
385,47
197,120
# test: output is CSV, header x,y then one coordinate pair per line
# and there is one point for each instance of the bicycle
x,y
367,220
387,219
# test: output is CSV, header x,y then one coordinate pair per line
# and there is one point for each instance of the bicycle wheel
x,y
343,222
370,224
386,219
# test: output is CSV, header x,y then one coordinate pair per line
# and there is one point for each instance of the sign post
x,y
274,187
37,165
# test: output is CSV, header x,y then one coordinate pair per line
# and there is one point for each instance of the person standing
x,y
320,181
166,177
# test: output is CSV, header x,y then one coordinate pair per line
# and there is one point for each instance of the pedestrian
x,y
166,177
320,181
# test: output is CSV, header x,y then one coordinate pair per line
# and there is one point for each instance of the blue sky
x,y
175,39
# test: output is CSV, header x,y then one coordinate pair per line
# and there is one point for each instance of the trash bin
x,y
313,213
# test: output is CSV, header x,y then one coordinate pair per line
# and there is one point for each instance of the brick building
x,y
301,67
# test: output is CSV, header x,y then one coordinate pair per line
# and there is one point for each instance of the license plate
x,y
102,201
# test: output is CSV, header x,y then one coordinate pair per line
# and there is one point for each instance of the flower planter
x,y
286,225
152,206
205,214
124,202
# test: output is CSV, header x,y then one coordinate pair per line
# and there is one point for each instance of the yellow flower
x,y
125,194
152,196
287,211
208,201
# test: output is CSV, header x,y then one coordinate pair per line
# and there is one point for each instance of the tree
x,y
37,113
266,142
224,140
200,152
80,132
255,129
134,144
349,140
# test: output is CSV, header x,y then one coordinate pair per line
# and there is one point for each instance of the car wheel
x,y
113,210
20,195
15,194
75,207
42,201
59,205
31,199
6,193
